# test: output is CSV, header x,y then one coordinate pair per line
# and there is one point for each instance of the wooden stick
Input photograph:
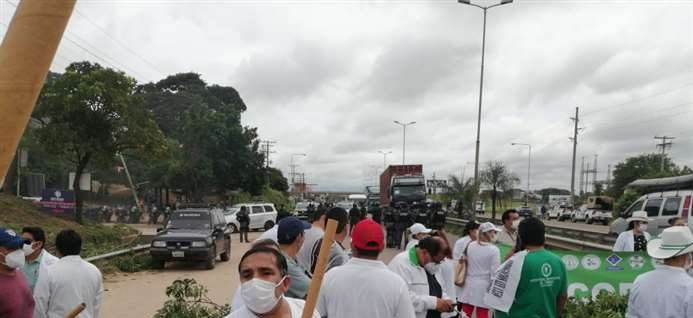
x,y
319,273
26,53
78,310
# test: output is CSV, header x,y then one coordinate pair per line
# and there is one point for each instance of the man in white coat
x,y
418,267
667,291
37,258
636,237
364,287
69,282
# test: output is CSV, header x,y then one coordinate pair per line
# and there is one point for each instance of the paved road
x,y
141,294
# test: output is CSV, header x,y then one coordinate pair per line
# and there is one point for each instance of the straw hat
x,y
674,241
639,216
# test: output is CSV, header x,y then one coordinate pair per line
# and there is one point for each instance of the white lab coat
x,y
447,277
666,292
483,259
412,243
626,241
296,306
66,284
415,278
364,289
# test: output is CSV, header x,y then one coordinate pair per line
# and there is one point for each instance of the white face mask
x,y
28,249
643,227
259,296
14,259
516,224
432,268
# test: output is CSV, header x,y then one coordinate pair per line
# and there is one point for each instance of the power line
x,y
121,44
608,108
664,145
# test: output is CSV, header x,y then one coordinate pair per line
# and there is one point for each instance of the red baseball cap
x,y
367,235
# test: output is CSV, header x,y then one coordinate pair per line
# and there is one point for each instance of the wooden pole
x,y
78,310
319,273
26,54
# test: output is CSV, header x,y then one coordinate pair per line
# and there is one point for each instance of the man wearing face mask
x,y
636,237
508,234
667,291
265,279
69,282
37,258
483,259
418,267
290,236
15,296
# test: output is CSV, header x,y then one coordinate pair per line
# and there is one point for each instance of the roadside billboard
x,y
58,201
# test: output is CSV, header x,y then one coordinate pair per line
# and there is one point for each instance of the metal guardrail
x,y
137,248
571,239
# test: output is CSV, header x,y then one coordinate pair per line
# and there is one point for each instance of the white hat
x,y
639,216
488,226
674,241
418,228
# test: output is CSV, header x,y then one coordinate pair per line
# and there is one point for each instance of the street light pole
x,y
404,137
384,158
481,84
529,169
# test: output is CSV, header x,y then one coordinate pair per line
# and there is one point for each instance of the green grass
x,y
97,239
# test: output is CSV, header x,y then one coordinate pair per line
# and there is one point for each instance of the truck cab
x,y
408,189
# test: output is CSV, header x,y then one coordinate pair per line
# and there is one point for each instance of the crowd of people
x,y
431,278
36,284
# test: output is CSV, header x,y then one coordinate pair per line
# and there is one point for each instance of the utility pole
x,y
267,149
582,176
664,145
576,119
608,177
594,172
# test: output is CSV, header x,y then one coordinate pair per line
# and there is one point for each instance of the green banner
x,y
592,271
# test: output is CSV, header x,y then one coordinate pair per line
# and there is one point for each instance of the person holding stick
x,y
265,279
365,287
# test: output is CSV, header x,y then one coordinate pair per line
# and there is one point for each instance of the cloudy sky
x,y
327,78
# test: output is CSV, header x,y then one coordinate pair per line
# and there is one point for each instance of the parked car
x,y
554,213
660,207
579,214
599,210
301,210
192,235
566,213
525,212
262,216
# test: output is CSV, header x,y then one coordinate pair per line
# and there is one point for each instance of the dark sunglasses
x,y
28,241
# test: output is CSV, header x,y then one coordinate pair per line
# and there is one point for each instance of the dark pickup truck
x,y
192,235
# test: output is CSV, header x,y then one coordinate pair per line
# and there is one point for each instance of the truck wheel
x,y
227,251
605,222
209,264
232,228
589,221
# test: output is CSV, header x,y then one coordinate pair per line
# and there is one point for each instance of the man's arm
x,y
420,303
99,296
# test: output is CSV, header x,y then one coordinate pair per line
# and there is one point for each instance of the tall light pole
x,y
293,168
481,82
404,136
529,169
384,157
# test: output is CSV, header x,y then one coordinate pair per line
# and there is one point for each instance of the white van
x,y
262,216
661,207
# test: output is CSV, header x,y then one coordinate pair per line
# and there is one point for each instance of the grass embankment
x,y
97,239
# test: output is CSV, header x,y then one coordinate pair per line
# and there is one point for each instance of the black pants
x,y
244,233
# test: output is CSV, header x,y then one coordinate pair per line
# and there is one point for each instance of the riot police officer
x,y
438,219
390,221
403,222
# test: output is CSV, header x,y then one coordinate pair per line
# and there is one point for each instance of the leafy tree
x,y
463,192
598,188
277,180
645,166
88,114
215,152
497,176
187,298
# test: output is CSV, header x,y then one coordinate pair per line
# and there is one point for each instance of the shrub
x,y
187,298
606,305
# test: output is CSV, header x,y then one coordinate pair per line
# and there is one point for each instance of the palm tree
x,y
496,175
463,192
